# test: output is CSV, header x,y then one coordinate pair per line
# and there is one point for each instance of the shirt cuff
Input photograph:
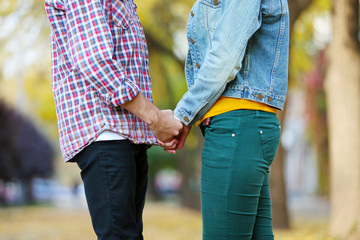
x,y
124,94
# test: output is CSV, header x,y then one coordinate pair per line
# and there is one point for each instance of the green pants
x,y
235,197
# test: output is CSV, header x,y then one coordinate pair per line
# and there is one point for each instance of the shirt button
x,y
192,40
186,119
259,96
192,13
198,65
216,2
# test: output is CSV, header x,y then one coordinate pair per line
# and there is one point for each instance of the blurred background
x,y
315,178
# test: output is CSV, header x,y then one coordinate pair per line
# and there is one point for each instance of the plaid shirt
x,y
99,61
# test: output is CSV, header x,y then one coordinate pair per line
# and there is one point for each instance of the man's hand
x,y
176,144
166,127
161,122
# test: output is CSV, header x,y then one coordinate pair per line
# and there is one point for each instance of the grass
x,y
162,222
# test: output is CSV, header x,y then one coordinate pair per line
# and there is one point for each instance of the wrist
x,y
151,115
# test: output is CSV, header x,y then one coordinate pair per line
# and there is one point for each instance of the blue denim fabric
x,y
237,49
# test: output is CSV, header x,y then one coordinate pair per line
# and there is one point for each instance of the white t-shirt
x,y
108,135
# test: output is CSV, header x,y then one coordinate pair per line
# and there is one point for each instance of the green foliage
x,y
8,6
303,47
159,159
161,20
168,79
40,100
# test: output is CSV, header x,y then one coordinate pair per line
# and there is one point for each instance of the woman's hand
x,y
175,144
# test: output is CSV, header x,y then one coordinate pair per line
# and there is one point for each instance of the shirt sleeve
x,y
240,19
91,46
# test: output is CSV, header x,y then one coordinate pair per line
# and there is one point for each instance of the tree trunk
x,y
296,7
190,166
280,213
279,209
343,99
28,191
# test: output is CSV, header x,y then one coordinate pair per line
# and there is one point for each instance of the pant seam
x,y
105,164
228,183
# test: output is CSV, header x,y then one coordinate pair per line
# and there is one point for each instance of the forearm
x,y
143,109
161,122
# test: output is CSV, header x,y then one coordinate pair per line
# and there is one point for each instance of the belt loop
x,y
257,113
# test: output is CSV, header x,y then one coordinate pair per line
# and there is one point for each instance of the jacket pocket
x,y
120,15
212,3
270,139
219,148
272,10
211,10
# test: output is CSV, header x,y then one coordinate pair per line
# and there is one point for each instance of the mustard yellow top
x,y
227,104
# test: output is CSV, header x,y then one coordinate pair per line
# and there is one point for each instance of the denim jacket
x,y
237,48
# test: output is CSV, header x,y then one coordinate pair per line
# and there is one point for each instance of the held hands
x,y
161,122
176,144
166,128
169,131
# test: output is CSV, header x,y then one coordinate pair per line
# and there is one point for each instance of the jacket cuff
x,y
182,116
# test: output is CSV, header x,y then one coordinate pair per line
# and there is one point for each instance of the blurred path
x,y
162,222
308,207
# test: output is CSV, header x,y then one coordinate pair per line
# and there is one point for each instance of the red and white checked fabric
x,y
99,61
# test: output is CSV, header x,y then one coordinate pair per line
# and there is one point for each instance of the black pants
x,y
115,179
